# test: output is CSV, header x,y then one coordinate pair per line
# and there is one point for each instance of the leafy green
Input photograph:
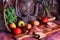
x,y
10,15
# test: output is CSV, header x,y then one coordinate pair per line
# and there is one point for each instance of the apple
x,y
12,25
21,23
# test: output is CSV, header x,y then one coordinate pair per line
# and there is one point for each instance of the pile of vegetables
x,y
10,15
17,29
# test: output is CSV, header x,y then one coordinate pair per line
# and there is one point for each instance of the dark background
x,y
2,26
59,6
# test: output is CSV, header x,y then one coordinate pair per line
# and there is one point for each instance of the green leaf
x,y
13,11
10,17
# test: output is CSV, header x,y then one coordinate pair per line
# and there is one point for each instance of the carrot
x,y
53,31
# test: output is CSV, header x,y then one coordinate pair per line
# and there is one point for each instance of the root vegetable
x,y
52,19
29,26
36,23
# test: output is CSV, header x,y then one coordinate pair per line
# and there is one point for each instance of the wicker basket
x,y
5,18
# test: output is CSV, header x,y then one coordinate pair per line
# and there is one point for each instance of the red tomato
x,y
17,31
45,20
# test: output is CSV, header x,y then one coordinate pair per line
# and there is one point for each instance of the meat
x,y
36,29
40,28
52,25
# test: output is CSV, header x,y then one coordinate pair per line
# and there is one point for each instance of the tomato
x,y
12,25
36,23
45,19
21,23
29,26
17,31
